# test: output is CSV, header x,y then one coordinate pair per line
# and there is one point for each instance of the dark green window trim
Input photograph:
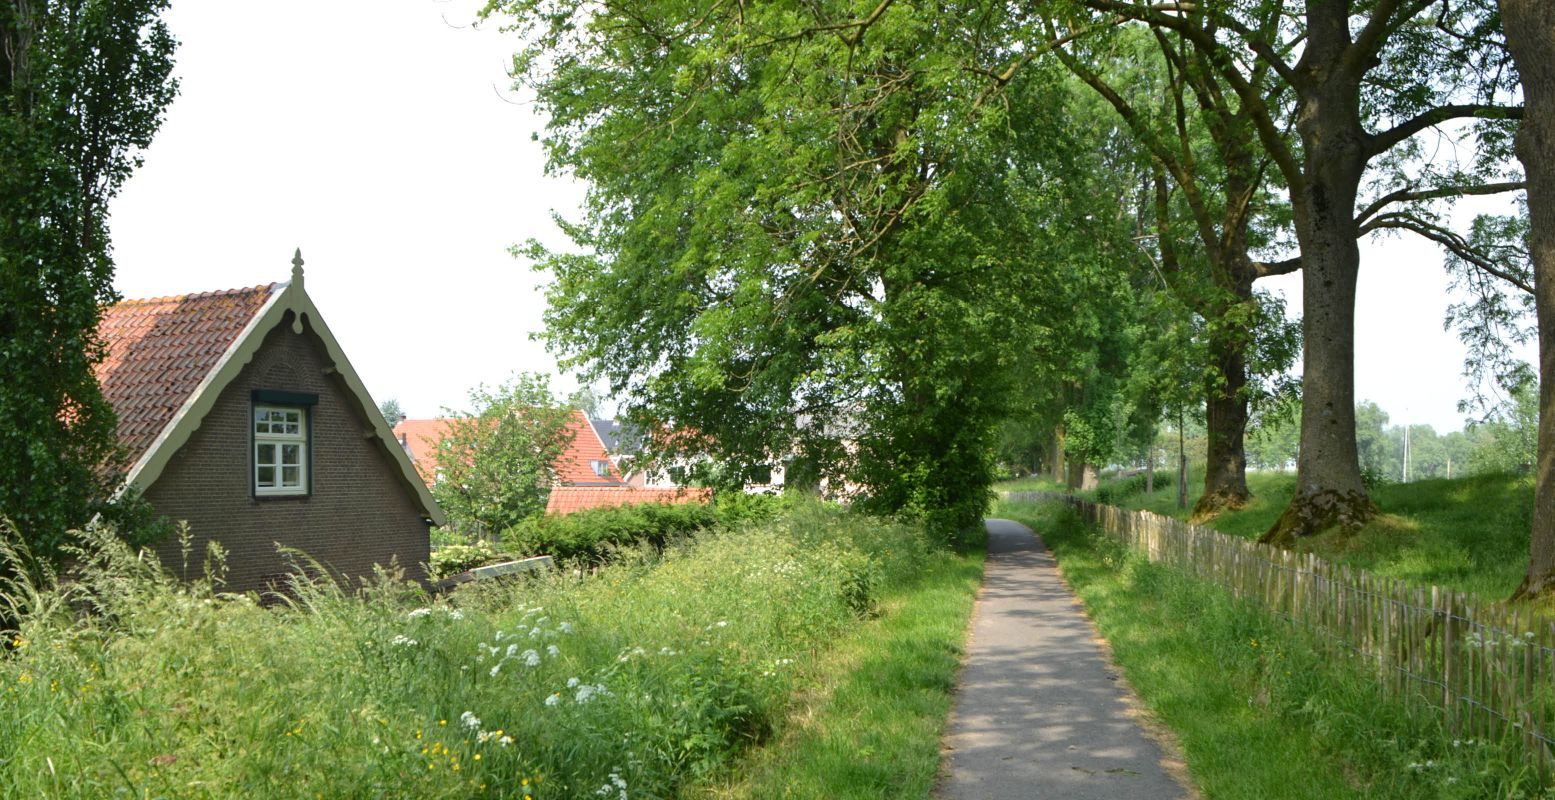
x,y
278,398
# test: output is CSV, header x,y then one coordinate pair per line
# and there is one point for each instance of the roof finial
x,y
297,269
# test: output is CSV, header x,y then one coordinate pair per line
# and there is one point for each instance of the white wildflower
x,y
499,636
572,683
565,627
553,650
722,623
553,699
531,658
454,613
419,613
512,650
496,669
401,640
505,740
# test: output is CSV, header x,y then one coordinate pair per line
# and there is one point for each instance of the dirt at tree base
x,y
1538,589
1314,513
1213,504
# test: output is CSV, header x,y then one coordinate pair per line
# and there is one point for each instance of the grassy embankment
x,y
1469,534
768,652
1261,710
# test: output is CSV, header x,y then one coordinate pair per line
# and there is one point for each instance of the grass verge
x,y
869,722
1260,710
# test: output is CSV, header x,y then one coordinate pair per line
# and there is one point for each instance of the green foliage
x,y
83,84
648,675
496,464
819,247
594,534
453,559
391,411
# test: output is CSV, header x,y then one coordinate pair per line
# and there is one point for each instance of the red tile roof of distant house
x,y
568,499
575,466
160,350
420,437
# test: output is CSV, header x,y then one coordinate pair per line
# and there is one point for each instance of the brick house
x,y
587,476
241,415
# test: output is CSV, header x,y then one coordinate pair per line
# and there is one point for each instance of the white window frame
x,y
277,440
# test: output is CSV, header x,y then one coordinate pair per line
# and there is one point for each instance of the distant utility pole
x,y
1406,452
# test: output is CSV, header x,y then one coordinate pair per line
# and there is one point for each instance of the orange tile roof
x,y
567,499
159,350
421,437
573,467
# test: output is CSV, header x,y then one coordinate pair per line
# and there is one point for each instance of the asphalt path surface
x,y
1040,713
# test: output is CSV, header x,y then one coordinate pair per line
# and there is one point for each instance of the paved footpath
x,y
1039,713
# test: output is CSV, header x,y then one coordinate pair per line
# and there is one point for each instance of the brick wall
x,y
360,512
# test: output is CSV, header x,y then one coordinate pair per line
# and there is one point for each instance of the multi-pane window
x,y
280,450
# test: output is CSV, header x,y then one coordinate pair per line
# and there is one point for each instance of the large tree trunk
x,y
1225,471
1329,490
1530,35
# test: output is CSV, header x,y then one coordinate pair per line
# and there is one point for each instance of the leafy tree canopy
x,y
816,231
495,464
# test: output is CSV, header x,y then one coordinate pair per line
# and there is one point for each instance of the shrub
x,y
592,535
453,559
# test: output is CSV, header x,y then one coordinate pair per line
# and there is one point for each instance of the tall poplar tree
x,y
83,86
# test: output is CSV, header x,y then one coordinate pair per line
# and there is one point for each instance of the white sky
x,y
383,139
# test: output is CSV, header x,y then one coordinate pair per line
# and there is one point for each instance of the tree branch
x,y
1406,195
1265,269
1383,141
1450,240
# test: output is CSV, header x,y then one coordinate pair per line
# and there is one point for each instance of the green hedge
x,y
593,535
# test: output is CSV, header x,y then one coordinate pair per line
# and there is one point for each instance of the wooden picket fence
x,y
1487,667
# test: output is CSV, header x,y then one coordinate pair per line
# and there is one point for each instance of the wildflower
x,y
556,697
512,648
419,613
565,627
505,741
572,682
496,669
470,720
531,658
498,636
722,623
553,650
477,757
442,722
401,640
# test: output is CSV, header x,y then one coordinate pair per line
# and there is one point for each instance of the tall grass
x,y
1262,710
659,670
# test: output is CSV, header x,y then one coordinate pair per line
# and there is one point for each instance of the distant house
x,y
588,473
242,416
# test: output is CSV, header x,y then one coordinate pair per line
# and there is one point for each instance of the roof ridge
x,y
193,295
